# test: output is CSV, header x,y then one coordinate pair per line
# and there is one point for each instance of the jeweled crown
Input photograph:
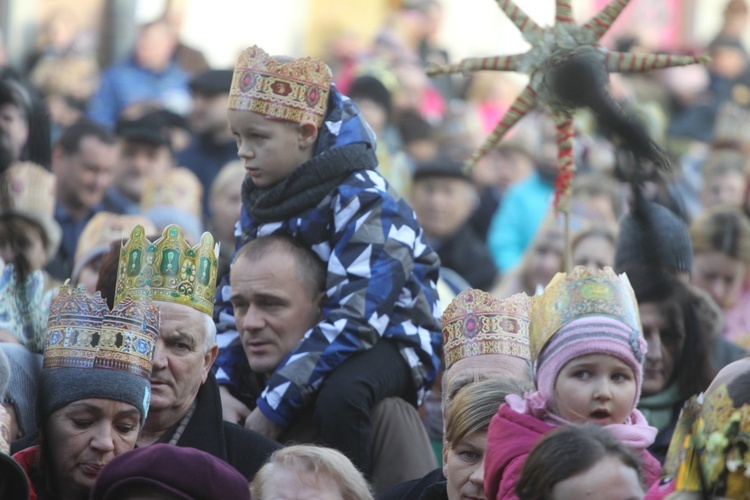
x,y
296,91
580,293
83,333
476,323
171,269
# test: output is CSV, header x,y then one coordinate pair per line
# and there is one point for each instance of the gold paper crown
x,y
476,323
296,91
82,333
715,453
170,268
105,228
580,293
179,188
28,189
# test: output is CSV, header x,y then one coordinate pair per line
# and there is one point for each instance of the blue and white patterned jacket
x,y
381,279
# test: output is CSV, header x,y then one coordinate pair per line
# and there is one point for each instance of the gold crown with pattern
x,y
296,91
83,333
710,450
476,323
172,270
580,293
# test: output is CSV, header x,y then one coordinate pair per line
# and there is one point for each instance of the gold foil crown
x,y
172,270
476,323
83,333
296,91
714,456
580,293
28,187
179,188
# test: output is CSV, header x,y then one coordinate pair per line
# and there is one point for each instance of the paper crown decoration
x,y
551,48
101,231
179,188
83,333
580,293
710,449
24,307
296,91
476,323
27,189
171,269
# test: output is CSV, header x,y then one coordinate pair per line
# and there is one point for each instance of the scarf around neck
x,y
635,432
659,408
306,186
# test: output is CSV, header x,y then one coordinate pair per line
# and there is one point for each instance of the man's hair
x,y
311,268
567,452
71,137
209,332
311,463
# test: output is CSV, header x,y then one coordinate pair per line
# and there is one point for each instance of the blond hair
x,y
475,404
311,463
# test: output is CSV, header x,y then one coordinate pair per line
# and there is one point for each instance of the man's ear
x,y
308,134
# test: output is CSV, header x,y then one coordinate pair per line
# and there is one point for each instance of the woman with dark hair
x,y
678,361
721,249
584,461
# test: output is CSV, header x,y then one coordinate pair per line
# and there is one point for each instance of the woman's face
x,y
665,345
608,478
720,276
84,436
89,276
463,466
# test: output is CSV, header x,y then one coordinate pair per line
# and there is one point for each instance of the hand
x,y
260,423
232,408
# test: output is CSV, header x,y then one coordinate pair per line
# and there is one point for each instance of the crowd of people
x,y
278,279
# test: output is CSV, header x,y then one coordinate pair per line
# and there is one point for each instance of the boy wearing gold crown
x,y
310,162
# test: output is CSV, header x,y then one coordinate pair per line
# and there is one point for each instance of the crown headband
x,y
580,293
171,269
295,91
83,333
476,323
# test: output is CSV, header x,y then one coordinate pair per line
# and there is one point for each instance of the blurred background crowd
x,y
119,109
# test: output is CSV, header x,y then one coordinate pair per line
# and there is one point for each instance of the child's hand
x,y
232,408
259,423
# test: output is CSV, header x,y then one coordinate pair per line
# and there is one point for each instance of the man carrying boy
x,y
310,164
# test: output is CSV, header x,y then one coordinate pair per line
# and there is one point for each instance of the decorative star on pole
x,y
553,47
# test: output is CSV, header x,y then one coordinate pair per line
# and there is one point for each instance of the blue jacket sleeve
x,y
379,274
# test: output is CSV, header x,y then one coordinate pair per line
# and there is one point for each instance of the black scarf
x,y
306,186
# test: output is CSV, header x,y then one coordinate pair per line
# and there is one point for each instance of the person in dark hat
x,y
444,198
168,471
212,145
144,149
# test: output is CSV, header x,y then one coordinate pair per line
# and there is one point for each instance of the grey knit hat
x,y
4,373
652,236
25,368
93,353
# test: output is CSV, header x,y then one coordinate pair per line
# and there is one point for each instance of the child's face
x,y
595,388
269,149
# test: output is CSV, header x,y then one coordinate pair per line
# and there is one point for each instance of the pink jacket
x,y
510,439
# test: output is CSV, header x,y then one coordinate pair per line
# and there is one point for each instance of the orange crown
x,y
296,91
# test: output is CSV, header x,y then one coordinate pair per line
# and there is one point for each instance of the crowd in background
x,y
89,152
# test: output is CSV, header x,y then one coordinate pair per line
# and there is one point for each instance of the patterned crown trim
x,y
296,91
580,293
476,323
80,335
169,268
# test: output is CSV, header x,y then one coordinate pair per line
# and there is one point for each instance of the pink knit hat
x,y
589,335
